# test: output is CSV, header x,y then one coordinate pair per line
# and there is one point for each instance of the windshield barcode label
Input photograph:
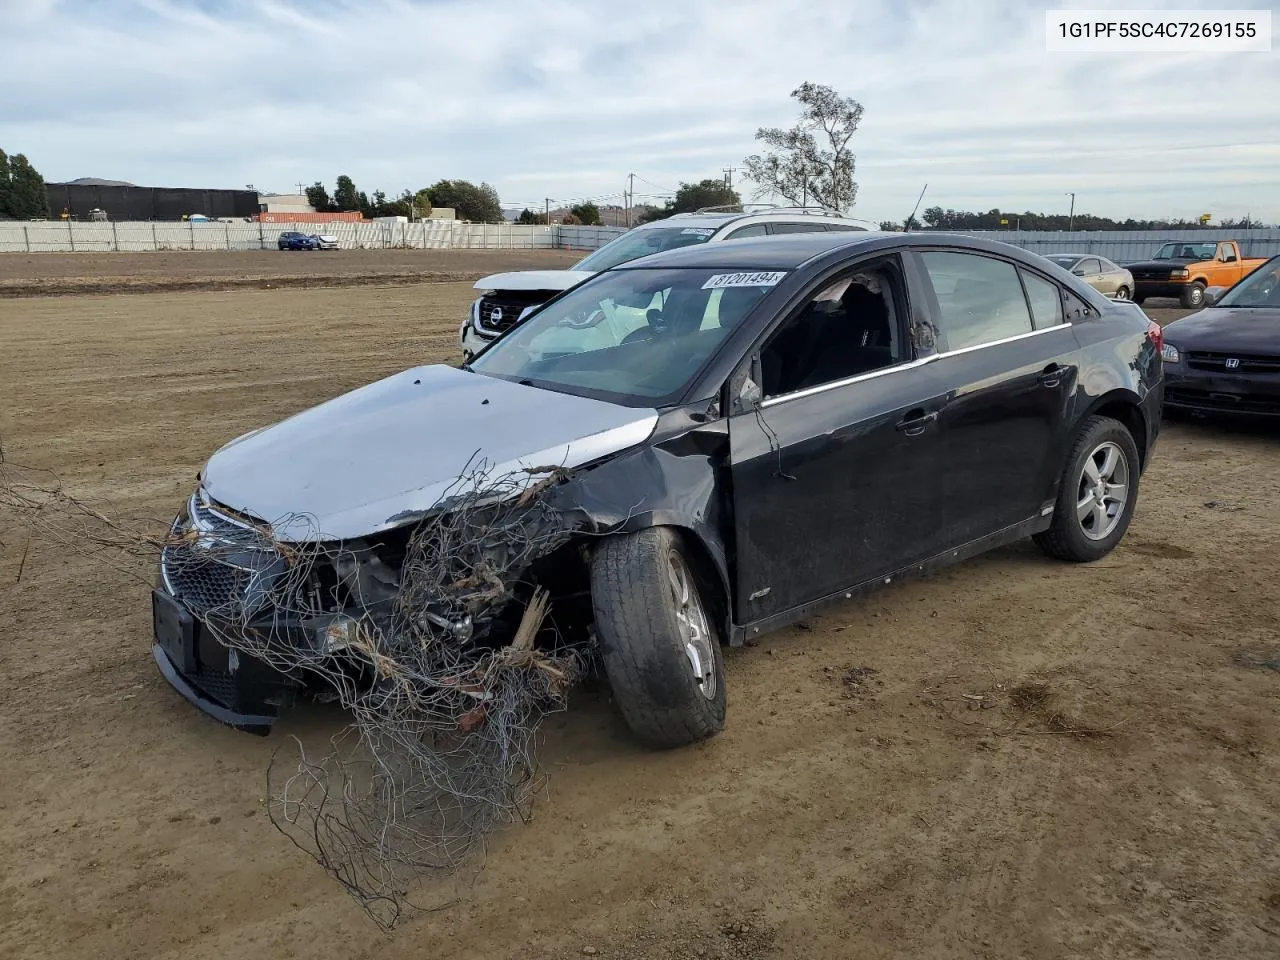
x,y
743,280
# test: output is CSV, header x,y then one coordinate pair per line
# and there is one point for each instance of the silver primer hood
x,y
359,463
534,280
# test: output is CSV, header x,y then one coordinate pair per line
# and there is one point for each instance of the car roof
x,y
789,251
782,252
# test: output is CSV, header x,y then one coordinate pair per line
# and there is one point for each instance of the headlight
x,y
1180,274
1169,353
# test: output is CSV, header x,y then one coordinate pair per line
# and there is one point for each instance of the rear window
x,y
643,241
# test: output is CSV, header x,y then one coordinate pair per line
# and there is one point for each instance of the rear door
x,y
1009,364
835,473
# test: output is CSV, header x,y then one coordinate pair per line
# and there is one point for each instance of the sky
x,y
564,98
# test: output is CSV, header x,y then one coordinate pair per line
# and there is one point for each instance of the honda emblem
x,y
1232,363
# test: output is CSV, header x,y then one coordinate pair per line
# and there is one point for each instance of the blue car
x,y
292,240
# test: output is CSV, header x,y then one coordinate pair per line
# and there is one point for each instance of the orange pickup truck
x,y
1184,268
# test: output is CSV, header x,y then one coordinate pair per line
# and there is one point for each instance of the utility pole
x,y
728,177
301,189
630,196
546,217
1071,217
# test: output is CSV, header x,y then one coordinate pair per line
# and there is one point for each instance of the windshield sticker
x,y
721,280
698,231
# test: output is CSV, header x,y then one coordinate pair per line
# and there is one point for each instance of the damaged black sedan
x,y
679,453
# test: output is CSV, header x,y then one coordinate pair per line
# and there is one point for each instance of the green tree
x,y
28,197
421,203
587,213
890,225
694,196
479,204
5,185
318,197
345,197
527,216
810,163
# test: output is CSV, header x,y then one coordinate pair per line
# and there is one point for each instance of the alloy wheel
x,y
695,631
1103,491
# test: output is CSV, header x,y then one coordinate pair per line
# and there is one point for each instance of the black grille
x,y
1223,402
215,567
498,314
203,583
1233,362
1149,274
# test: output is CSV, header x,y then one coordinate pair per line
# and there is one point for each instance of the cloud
x,y
564,98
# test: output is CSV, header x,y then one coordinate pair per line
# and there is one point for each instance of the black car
x,y
741,433
1226,358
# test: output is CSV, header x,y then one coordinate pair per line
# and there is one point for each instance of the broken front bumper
x,y
228,685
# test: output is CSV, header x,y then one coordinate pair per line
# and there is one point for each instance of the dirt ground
x,y
1015,759
45,274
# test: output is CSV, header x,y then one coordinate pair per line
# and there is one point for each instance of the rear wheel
x,y
1097,493
661,653
1122,293
1193,296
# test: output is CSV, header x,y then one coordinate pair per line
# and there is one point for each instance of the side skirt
x,y
740,633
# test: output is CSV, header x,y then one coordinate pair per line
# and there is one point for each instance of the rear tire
x,y
661,651
1139,299
1193,297
1096,495
1122,293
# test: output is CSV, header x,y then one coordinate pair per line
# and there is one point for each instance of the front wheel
x,y
1193,296
661,653
1097,493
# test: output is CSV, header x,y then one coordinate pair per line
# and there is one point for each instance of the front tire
x,y
661,653
1097,493
1193,297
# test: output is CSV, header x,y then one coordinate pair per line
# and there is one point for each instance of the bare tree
x,y
810,162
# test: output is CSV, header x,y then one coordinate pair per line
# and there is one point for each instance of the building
x,y
284,203
118,200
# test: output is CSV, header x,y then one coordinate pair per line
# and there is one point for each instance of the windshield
x,y
1187,251
640,243
636,337
1259,289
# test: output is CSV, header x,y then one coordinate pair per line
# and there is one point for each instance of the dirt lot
x,y
43,274
1016,759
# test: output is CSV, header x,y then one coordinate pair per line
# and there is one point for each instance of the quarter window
x,y
798,227
1045,300
751,230
979,299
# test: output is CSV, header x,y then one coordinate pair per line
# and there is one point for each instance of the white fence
x,y
1129,245
78,237
57,236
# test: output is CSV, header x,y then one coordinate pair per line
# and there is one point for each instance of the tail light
x,y
1156,333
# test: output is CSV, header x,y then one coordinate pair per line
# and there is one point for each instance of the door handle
x,y
913,424
1051,376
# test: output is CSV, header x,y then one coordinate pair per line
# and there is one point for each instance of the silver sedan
x,y
1098,272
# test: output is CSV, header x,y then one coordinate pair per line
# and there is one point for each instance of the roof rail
x,y
742,208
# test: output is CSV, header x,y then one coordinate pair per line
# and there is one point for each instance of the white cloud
x,y
564,98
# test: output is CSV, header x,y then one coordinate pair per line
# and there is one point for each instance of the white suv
x,y
506,297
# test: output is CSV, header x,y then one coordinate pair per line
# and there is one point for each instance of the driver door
x,y
835,470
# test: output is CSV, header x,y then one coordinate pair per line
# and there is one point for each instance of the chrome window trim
x,y
1003,340
908,365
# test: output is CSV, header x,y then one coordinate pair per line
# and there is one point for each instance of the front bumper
x,y
1158,288
227,685
1203,391
472,341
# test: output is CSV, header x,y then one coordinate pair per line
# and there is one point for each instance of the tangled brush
x,y
437,643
